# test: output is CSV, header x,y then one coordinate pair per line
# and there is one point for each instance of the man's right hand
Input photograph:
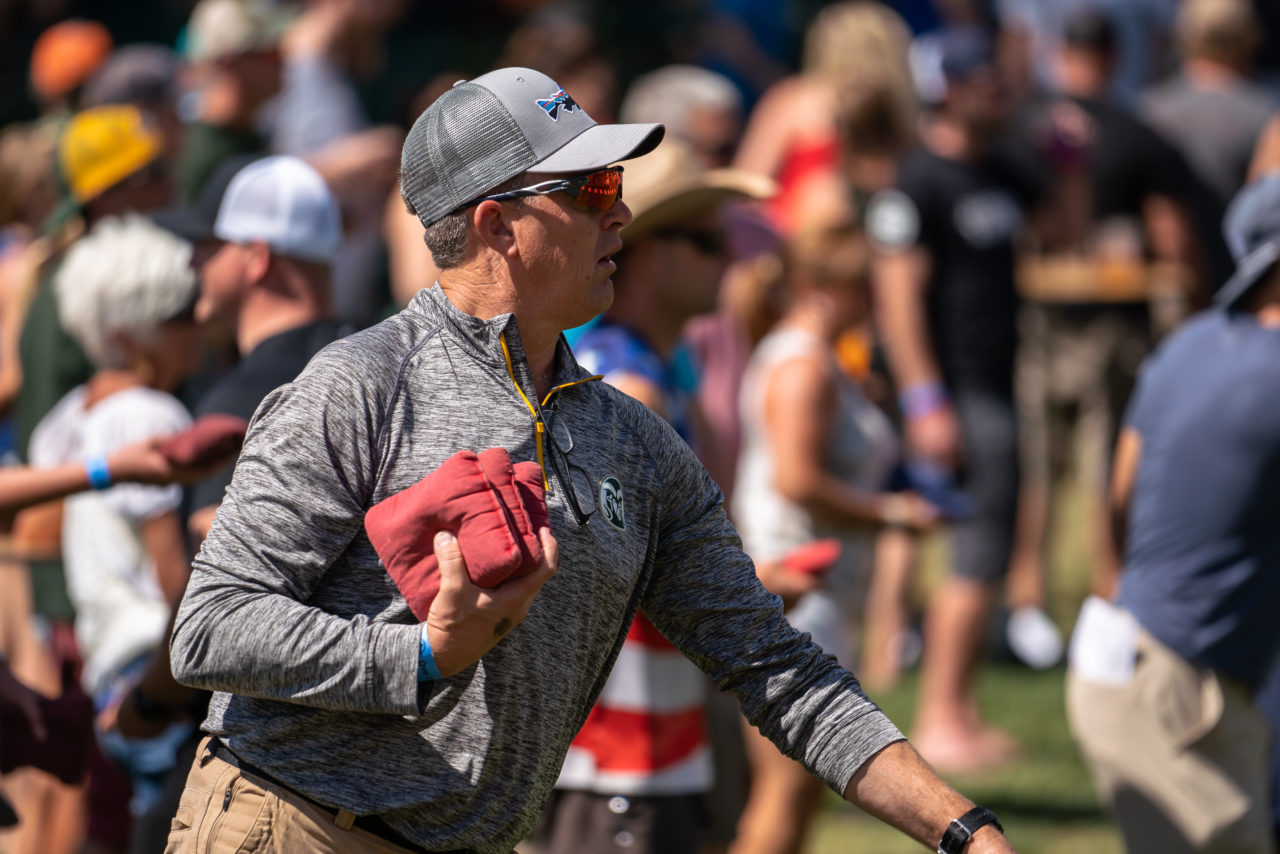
x,y
466,621
935,436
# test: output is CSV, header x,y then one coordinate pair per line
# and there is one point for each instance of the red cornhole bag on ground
x,y
476,498
211,439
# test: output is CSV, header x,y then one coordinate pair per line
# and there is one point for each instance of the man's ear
x,y
494,227
258,261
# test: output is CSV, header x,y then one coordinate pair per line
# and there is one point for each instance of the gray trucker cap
x,y
486,131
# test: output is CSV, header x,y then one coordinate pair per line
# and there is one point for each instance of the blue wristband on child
x,y
99,473
427,669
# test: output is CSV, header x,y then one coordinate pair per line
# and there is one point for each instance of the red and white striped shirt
x,y
647,734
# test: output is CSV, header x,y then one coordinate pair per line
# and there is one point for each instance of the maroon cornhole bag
x,y
526,502
533,497
211,439
464,497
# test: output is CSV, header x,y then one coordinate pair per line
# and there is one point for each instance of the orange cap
x,y
66,54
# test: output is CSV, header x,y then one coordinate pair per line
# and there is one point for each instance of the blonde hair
x,y
822,257
828,255
860,48
27,186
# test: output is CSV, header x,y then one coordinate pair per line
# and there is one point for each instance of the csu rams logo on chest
x,y
611,504
557,102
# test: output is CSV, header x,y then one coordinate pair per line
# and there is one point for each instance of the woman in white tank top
x,y
815,456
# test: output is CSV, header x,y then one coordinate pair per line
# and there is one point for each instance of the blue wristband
x,y
99,473
922,399
427,669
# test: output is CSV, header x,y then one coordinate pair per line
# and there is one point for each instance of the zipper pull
x,y
226,800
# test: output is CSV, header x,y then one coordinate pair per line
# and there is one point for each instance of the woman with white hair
x,y
126,294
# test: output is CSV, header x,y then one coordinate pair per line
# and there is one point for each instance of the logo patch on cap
x,y
551,106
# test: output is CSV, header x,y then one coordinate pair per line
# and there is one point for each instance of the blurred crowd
x,y
892,275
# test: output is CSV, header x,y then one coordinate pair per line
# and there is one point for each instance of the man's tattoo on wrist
x,y
504,626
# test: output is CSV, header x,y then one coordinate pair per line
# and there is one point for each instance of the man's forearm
x,y
899,788
263,644
900,291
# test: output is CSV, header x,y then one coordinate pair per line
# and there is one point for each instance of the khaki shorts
x,y
1180,756
226,810
1075,373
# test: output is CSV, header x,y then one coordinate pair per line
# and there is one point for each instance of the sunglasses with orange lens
x,y
594,190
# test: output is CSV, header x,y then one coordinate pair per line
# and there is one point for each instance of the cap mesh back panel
x,y
465,144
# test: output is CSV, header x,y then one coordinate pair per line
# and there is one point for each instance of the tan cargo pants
x,y
225,810
1180,756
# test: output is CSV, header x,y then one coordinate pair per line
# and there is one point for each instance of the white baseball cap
x,y
286,204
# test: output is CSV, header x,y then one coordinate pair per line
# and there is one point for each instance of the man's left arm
x,y
705,598
899,788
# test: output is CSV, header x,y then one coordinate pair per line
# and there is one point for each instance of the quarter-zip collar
x,y
483,339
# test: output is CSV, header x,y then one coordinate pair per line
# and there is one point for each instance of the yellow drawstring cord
x,y
539,425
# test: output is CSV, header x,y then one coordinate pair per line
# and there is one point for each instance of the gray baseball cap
x,y
485,131
1252,229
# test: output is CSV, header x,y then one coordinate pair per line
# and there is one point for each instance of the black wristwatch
x,y
960,829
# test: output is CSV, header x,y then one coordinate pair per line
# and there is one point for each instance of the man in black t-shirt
x,y
945,287
264,253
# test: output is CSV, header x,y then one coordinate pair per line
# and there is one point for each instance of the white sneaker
x,y
1034,638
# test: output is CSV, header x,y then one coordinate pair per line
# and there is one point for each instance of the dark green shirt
x,y
204,147
52,362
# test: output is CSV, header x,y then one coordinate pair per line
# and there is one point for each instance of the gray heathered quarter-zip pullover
x,y
312,652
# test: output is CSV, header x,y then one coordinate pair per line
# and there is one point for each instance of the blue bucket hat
x,y
1252,230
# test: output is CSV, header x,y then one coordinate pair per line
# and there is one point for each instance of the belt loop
x,y
205,751
345,819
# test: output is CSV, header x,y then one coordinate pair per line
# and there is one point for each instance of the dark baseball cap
x,y
1252,229
485,131
965,51
1090,30
194,222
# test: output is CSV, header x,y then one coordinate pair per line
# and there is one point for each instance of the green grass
x,y
1045,800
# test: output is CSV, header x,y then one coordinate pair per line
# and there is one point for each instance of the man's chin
x,y
602,300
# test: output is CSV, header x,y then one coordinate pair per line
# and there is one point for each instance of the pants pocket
x,y
241,823
1185,699
191,807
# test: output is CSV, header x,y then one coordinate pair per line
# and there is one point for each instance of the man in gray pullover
x,y
341,723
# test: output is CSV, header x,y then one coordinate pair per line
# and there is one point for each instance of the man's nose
x,y
619,215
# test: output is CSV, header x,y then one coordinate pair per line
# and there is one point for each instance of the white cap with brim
x,y
486,131
284,203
